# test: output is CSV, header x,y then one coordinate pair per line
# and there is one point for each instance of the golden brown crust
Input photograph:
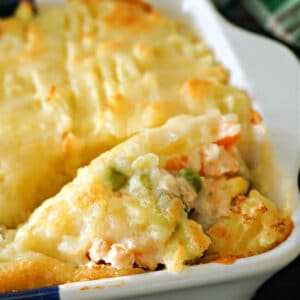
x,y
145,6
229,257
39,271
32,273
254,226
103,271
126,14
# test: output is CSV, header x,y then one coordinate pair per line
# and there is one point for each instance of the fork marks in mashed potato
x,y
103,71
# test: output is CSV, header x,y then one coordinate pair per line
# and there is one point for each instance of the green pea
x,y
146,180
116,179
192,177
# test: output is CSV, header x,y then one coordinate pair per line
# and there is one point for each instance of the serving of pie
x,y
124,149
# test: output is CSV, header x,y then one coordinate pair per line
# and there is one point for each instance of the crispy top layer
x,y
78,79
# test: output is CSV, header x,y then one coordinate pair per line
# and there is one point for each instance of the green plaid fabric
x,y
278,17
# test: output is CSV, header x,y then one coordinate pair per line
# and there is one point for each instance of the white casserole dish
x,y
272,78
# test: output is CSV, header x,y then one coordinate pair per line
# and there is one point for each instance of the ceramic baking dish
x,y
272,79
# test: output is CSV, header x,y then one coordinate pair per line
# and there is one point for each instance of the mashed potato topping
x,y
150,202
73,88
180,181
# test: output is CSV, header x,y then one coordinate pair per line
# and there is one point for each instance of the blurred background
x,y
278,19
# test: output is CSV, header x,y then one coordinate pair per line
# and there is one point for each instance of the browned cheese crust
x,y
38,271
